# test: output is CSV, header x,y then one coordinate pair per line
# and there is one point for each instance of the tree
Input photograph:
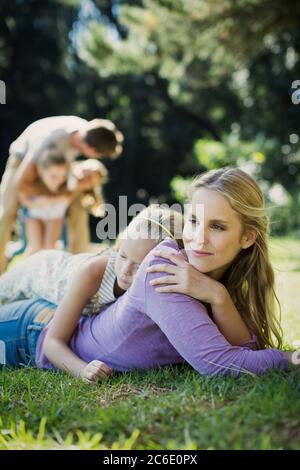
x,y
219,63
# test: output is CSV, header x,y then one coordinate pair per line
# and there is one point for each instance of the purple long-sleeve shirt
x,y
144,329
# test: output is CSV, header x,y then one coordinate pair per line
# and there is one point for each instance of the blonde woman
x,y
210,317
235,236
44,213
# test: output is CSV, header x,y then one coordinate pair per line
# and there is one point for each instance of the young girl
x,y
226,258
49,273
44,213
95,175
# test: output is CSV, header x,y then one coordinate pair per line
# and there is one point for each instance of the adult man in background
x,y
73,136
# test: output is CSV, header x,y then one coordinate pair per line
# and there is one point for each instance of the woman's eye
x,y
122,256
218,227
192,221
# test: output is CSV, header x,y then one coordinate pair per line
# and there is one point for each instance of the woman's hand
x,y
94,371
185,279
293,357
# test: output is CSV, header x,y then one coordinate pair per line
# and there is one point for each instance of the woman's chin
x,y
199,264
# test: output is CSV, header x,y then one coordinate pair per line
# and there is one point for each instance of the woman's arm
x,y
228,319
84,285
26,174
43,200
197,339
185,279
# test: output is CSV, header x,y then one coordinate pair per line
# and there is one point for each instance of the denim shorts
x,y
21,323
24,213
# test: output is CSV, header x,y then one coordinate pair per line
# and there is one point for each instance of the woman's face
x,y
54,176
129,257
213,233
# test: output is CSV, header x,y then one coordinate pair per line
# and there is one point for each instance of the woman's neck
x,y
217,274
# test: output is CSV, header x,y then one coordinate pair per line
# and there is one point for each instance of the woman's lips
x,y
200,253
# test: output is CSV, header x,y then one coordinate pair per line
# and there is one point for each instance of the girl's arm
x,y
185,279
84,285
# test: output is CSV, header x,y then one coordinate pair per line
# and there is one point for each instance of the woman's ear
x,y
248,239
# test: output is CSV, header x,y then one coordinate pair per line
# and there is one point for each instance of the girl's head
x,y
53,168
93,199
144,232
226,236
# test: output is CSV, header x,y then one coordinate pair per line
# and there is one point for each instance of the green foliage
x,y
177,76
199,56
17,437
180,187
284,211
255,157
229,151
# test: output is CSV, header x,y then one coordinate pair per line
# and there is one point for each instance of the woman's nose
x,y
201,235
205,237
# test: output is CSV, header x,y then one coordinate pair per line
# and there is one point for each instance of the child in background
x,y
44,213
95,175
50,274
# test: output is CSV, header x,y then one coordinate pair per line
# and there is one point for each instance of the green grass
x,y
167,408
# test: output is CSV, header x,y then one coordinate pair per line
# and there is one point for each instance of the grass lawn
x,y
168,408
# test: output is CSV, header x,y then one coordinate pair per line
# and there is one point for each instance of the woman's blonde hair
x,y
51,156
156,223
250,278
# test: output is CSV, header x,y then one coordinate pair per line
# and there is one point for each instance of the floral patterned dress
x,y
48,273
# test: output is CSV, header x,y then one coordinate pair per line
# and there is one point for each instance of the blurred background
x,y
193,85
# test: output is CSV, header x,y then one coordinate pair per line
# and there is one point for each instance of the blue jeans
x,y
21,323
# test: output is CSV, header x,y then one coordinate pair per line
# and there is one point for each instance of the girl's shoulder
x,y
94,269
107,255
101,258
105,251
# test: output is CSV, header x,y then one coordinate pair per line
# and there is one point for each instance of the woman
x,y
43,214
226,253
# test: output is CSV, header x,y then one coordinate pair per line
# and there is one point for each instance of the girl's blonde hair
x,y
156,223
93,199
250,278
